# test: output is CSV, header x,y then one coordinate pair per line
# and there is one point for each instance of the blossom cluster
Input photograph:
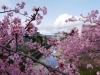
x,y
12,34
75,47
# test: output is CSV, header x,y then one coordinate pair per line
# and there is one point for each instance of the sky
x,y
58,12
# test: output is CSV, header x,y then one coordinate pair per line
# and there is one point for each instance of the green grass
x,y
93,71
85,59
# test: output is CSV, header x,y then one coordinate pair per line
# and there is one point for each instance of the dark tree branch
x,y
24,15
7,11
33,17
16,38
7,45
34,59
9,42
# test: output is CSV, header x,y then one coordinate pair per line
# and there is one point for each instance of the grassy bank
x,y
93,71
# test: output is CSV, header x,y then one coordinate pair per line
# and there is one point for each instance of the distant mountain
x,y
48,35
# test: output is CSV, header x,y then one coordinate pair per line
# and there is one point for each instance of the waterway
x,y
52,61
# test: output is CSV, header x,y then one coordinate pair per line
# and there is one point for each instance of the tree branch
x,y
16,38
34,59
7,11
33,17
9,42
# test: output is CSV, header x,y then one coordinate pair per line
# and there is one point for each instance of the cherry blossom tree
x,y
75,47
14,61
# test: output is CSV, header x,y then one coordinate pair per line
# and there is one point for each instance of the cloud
x,y
60,21
60,25
45,32
46,29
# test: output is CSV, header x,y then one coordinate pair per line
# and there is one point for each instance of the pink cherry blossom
x,y
89,66
44,9
4,7
33,9
98,73
17,10
25,13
